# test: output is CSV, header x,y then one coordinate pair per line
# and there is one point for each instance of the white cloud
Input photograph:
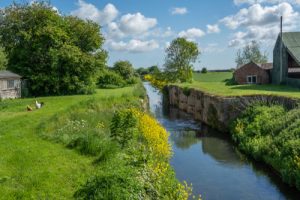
x,y
91,12
213,28
133,46
261,23
179,11
239,2
136,23
192,33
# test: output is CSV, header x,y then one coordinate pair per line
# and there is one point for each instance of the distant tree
x,y
124,68
57,54
142,71
3,59
181,54
204,70
250,52
154,69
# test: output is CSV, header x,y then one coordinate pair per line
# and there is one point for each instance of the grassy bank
x,y
216,83
85,147
32,167
271,134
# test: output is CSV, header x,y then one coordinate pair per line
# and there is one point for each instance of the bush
x,y
123,127
120,184
110,79
272,135
204,70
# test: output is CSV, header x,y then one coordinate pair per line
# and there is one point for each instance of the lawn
x,y
35,168
215,83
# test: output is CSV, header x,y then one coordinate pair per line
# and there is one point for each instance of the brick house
x,y
253,73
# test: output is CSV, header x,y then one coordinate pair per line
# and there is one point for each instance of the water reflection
x,y
209,160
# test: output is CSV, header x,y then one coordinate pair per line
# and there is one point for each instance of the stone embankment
x,y
218,111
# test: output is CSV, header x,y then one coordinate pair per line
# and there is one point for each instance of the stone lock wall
x,y
217,111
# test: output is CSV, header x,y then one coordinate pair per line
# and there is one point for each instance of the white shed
x,y
10,85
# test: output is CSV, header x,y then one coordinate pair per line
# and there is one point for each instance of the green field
x,y
35,168
215,83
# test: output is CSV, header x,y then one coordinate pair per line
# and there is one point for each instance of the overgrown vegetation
x,y
130,149
271,134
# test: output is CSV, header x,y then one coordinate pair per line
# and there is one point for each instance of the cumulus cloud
x,y
261,22
239,2
213,28
89,11
179,11
192,33
136,23
133,46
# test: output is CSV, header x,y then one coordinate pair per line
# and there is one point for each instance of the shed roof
x,y
291,41
265,66
8,74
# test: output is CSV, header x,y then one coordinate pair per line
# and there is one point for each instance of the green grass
x,y
215,83
35,168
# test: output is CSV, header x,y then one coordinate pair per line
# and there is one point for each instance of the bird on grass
x,y
38,105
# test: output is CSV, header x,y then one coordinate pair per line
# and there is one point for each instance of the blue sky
x,y
140,30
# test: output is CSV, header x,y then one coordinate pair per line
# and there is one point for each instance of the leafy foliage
x,y
110,79
204,70
250,52
181,54
129,148
57,54
272,135
3,59
124,68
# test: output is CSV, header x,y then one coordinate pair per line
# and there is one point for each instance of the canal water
x,y
210,162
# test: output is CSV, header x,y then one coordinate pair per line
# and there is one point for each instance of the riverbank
x,y
218,111
67,149
265,127
210,161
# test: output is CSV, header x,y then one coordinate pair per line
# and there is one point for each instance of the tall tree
x,y
3,59
57,54
124,68
250,52
181,54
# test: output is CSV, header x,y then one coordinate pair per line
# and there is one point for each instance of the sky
x,y
141,30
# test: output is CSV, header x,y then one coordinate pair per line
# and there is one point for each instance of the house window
x,y
252,79
10,84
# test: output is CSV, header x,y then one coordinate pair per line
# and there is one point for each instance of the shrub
x,y
110,79
123,126
120,184
204,70
272,135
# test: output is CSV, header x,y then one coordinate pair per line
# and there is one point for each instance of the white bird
x,y
37,104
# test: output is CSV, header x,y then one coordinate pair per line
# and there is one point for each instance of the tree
x,y
3,59
181,54
204,70
154,69
56,54
124,68
250,52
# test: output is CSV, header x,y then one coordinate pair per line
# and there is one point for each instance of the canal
x,y
210,162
